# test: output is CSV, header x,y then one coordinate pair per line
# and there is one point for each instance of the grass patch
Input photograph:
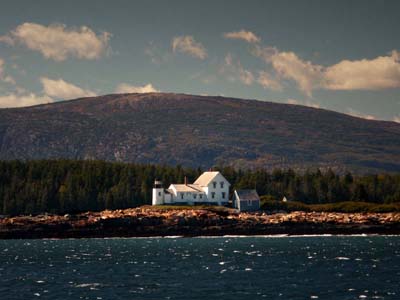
x,y
344,207
212,208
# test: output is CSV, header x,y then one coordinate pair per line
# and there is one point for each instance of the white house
x,y
209,188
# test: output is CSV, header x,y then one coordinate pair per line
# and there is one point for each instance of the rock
x,y
147,221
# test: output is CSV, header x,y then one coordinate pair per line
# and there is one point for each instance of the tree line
x,y
68,186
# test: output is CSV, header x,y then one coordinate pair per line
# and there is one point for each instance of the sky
x,y
337,55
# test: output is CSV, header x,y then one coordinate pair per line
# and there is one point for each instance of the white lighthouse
x,y
158,193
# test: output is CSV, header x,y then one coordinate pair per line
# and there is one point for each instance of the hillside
x,y
199,131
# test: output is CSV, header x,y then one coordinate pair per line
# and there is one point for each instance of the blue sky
x,y
338,55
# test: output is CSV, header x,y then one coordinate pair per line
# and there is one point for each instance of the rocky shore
x,y
150,221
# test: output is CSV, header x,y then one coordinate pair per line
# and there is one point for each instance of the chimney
x,y
185,180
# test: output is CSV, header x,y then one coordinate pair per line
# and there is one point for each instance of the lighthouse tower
x,y
158,193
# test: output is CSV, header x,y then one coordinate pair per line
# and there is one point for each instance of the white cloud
x,y
125,88
235,71
3,77
1,67
289,66
304,103
247,36
379,73
20,100
245,76
292,101
268,82
57,42
187,44
52,89
60,89
358,114
7,39
311,104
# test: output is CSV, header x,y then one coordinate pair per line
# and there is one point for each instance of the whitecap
x,y
248,269
89,285
342,258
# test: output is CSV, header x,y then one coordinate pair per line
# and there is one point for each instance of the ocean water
x,y
320,267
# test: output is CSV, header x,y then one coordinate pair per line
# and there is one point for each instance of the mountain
x,y
200,131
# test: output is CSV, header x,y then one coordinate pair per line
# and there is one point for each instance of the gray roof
x,y
247,195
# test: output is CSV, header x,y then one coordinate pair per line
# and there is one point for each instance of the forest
x,y
71,186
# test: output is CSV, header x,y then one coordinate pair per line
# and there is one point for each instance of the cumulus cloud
x,y
58,42
355,113
60,89
156,54
382,72
358,114
304,103
7,39
52,89
3,77
244,35
246,76
1,67
186,44
292,101
288,65
379,73
235,71
20,100
125,88
268,82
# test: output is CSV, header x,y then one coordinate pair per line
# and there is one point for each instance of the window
x,y
201,196
214,184
182,196
222,184
159,193
213,195
249,202
194,196
223,195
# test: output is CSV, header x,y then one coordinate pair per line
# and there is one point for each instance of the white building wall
x,y
167,198
158,196
218,190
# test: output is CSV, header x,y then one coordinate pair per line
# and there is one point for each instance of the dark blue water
x,y
202,268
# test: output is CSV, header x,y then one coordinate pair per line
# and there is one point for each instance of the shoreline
x,y
156,222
